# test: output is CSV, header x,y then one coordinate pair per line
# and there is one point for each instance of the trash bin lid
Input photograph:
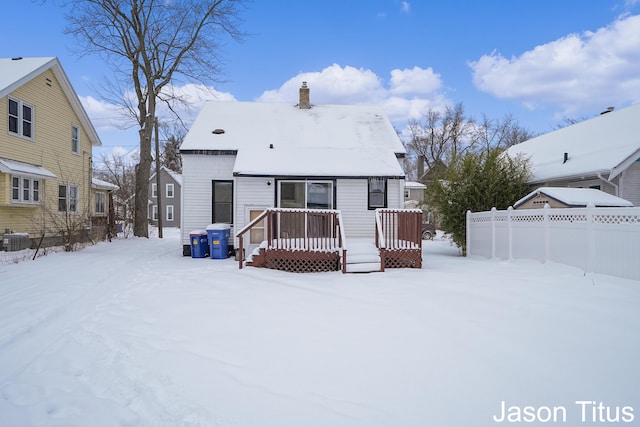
x,y
197,233
218,226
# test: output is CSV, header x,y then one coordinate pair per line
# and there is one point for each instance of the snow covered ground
x,y
130,333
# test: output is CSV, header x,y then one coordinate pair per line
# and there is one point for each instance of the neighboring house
x,y
104,215
170,196
240,158
601,153
413,194
564,197
46,142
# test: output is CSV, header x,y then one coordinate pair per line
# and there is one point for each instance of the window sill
x,y
23,204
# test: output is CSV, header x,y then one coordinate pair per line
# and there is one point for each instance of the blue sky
x,y
537,60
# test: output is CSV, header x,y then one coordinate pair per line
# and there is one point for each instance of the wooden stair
x,y
362,257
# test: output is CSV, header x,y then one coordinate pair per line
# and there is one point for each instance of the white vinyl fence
x,y
597,240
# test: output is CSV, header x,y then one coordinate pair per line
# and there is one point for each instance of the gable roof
x,y
177,177
15,72
605,145
282,140
577,197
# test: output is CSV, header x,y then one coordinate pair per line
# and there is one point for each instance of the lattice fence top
x,y
617,219
559,215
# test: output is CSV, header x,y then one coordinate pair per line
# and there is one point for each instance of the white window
x,y
169,212
25,190
67,198
75,139
306,194
154,213
100,202
154,190
377,193
169,191
20,118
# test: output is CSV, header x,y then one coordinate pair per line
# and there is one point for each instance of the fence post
x,y
468,236
509,234
590,239
547,244
493,232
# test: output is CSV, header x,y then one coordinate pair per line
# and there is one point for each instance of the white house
x,y
601,153
240,158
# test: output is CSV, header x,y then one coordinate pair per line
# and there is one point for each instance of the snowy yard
x,y
130,333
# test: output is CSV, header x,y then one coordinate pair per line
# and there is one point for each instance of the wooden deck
x,y
312,240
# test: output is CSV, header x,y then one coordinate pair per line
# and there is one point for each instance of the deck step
x,y
362,257
363,267
357,258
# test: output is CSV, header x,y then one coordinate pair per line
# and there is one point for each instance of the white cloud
x,y
405,7
188,99
410,93
415,81
579,72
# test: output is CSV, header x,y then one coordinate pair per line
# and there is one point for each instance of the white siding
x,y
630,188
351,200
251,193
197,173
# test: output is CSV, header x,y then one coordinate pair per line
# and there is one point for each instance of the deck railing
x,y
398,230
299,230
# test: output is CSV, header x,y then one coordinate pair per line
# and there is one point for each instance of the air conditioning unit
x,y
16,242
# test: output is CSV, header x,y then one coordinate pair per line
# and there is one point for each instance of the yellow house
x,y
46,142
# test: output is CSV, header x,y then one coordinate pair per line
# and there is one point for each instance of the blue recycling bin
x,y
199,244
218,235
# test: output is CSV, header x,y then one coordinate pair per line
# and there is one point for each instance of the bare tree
x,y
119,169
441,136
502,133
151,43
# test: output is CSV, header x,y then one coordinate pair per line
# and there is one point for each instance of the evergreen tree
x,y
476,182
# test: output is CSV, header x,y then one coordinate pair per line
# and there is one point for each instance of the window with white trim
x,y
25,190
154,212
169,210
377,193
154,190
101,198
75,139
67,198
169,191
20,118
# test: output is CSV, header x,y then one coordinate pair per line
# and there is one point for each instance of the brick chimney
x,y
304,97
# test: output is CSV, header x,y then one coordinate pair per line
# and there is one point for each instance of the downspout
x,y
603,179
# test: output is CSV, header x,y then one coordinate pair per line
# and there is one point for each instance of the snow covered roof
x,y
15,72
103,185
177,177
606,144
26,169
577,197
281,139
414,185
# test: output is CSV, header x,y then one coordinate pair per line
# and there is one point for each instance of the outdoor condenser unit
x,y
15,242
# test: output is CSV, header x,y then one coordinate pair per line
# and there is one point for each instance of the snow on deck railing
x,y
399,228
299,230
596,240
